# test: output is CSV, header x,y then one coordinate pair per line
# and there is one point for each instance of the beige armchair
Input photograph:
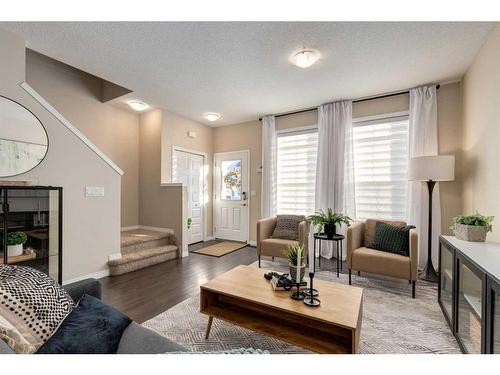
x,y
275,247
361,258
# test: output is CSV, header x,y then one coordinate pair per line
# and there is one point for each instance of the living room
x,y
249,187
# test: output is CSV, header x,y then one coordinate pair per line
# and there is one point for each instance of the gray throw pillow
x,y
287,227
32,306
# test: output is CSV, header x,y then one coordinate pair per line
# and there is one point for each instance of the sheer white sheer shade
x,y
297,153
435,168
381,168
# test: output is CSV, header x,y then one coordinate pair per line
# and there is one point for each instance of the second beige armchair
x,y
361,257
275,247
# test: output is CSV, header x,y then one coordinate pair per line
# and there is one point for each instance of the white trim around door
x,y
205,184
244,201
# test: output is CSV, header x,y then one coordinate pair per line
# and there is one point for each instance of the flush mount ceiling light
x,y
137,105
212,116
305,58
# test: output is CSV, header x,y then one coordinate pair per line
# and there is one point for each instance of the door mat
x,y
220,249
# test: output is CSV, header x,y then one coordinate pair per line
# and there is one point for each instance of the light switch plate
x,y
94,191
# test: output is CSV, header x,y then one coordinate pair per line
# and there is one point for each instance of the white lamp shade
x,y
435,168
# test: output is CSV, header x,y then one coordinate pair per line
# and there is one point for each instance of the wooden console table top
x,y
19,258
243,297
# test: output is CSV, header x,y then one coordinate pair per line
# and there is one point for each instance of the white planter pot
x,y
14,250
470,233
293,272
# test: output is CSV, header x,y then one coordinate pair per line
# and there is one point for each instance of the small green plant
x,y
16,238
320,218
189,222
292,253
477,220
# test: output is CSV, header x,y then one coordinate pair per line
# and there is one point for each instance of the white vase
x,y
15,250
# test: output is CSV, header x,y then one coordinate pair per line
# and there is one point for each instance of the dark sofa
x,y
135,340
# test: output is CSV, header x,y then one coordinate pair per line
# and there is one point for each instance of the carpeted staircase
x,y
142,248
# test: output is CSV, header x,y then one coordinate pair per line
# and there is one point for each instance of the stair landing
x,y
137,236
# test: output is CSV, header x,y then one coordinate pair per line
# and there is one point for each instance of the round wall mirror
x,y
23,139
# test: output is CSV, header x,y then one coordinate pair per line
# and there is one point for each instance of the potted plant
x,y
472,227
15,242
328,221
293,253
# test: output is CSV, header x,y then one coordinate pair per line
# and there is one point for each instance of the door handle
x,y
244,195
244,204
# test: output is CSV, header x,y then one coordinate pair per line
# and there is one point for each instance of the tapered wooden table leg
x,y
209,325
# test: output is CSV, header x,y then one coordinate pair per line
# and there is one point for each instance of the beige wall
x,y
114,131
450,143
248,136
91,226
174,133
160,206
392,104
481,133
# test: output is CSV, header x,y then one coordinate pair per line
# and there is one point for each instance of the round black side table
x,y
337,238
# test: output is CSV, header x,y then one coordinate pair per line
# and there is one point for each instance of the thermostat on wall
x,y
191,134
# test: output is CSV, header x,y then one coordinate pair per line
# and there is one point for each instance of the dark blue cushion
x,y
91,328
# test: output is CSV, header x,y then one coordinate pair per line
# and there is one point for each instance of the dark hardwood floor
x,y
150,291
145,293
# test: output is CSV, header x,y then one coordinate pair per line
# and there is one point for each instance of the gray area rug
x,y
393,322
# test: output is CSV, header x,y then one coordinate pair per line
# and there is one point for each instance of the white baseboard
x,y
96,275
131,227
114,256
209,238
252,243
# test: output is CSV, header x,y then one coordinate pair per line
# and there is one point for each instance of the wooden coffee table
x,y
243,297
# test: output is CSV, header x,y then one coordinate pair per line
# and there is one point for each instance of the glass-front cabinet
x,y
470,315
31,228
469,292
493,306
445,291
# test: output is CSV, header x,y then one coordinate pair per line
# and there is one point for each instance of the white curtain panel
x,y
269,167
424,142
334,168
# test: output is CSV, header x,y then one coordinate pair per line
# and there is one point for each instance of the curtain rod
x,y
354,101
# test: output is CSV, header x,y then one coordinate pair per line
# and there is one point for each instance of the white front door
x,y
231,182
188,168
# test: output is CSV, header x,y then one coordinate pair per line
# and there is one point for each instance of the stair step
x,y
137,236
133,241
142,258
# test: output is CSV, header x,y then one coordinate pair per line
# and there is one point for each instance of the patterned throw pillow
x,y
32,306
392,239
287,227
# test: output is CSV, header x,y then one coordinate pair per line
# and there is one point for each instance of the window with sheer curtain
x,y
297,153
381,168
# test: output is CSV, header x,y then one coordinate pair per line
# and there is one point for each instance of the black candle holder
x,y
309,300
298,295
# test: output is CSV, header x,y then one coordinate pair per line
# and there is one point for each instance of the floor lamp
x,y
431,169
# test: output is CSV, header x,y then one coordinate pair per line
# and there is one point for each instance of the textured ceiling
x,y
242,70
